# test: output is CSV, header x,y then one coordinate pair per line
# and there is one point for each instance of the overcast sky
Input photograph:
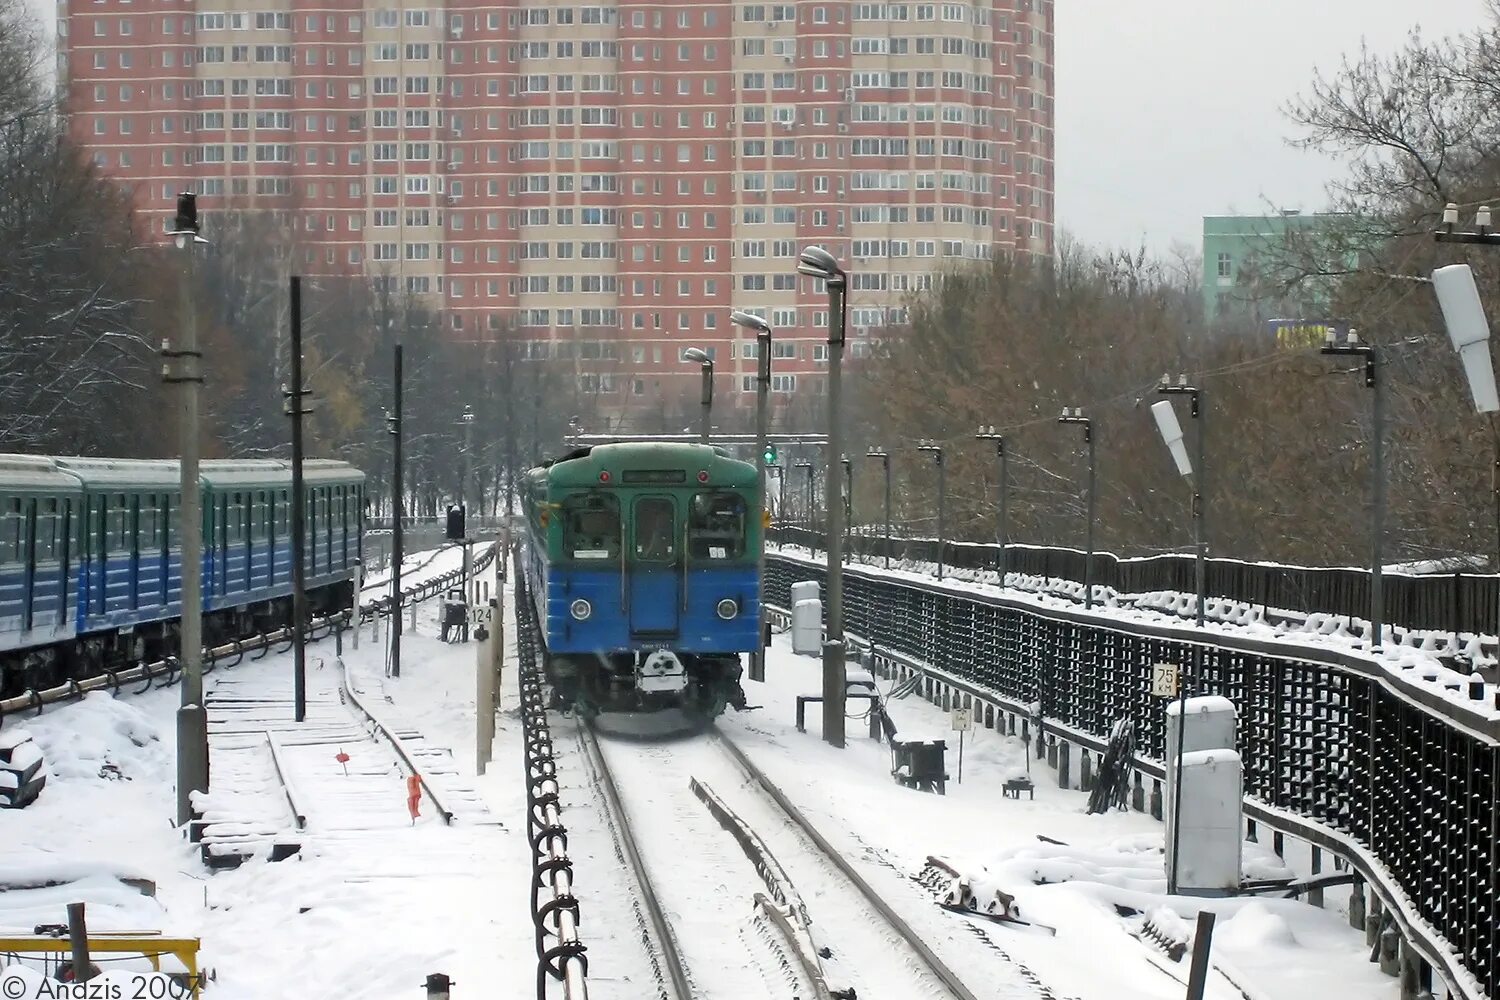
x,y
1169,110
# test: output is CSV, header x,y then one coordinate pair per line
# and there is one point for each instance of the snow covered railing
x,y
1389,762
1441,597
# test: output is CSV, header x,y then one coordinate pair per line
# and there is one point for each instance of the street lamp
x,y
1469,330
192,717
707,362
1353,347
1171,433
1002,494
1075,416
466,421
885,460
937,453
762,330
815,262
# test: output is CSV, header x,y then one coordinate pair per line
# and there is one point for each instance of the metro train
x,y
642,562
91,559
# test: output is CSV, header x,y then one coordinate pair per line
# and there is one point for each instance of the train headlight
x,y
581,609
728,608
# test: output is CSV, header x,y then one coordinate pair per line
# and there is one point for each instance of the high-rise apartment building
x,y
612,179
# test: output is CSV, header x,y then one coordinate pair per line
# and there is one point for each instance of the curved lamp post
x,y
702,357
815,262
750,321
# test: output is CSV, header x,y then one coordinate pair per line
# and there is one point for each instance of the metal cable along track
x,y
551,868
170,669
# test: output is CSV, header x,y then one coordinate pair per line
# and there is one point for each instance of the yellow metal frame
x,y
149,946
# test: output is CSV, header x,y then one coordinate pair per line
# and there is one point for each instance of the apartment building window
x,y
1226,267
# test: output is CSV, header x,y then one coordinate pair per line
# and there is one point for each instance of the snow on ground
x,y
849,795
369,914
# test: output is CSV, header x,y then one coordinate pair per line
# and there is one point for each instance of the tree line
x,y
1288,430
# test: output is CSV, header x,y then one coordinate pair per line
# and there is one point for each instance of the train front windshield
x,y
716,527
592,527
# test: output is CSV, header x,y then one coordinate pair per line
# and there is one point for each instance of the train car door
x,y
655,583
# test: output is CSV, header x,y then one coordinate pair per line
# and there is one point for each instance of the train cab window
x,y
655,529
591,527
716,526
11,522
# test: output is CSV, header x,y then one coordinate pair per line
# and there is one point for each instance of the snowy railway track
x,y
697,823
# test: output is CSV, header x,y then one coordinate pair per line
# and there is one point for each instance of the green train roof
x,y
582,468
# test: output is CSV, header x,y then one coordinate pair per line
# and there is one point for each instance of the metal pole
x,y
294,394
1175,796
834,681
1202,940
762,396
78,937
192,718
1200,500
1004,496
886,461
1495,495
708,399
470,585
397,507
1377,470
1088,566
942,510
848,502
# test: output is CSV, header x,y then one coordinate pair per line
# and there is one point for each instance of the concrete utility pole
x,y
192,718
471,586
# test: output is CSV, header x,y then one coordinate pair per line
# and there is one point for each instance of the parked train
x,y
91,558
642,561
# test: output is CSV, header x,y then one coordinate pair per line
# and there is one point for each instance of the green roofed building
x,y
1248,259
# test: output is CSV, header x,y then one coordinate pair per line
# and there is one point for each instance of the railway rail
x,y
852,937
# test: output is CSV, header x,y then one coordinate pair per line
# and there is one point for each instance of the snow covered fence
x,y
1389,765
1439,597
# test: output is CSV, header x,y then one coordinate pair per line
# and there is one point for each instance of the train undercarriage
x,y
41,667
645,681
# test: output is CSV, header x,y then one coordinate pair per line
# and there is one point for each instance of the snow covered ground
x,y
368,913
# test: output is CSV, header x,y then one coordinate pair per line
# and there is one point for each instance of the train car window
x,y
173,506
10,530
258,516
716,526
283,513
117,524
591,527
655,529
234,518
46,530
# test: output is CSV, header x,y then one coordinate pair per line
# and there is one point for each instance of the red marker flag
x,y
343,759
414,797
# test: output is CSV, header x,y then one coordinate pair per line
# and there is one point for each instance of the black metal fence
x,y
1443,602
1389,763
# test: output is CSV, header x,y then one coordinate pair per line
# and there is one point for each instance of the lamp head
x,y
749,321
697,354
818,259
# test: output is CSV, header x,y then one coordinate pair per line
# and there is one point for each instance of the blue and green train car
x,y
642,561
91,558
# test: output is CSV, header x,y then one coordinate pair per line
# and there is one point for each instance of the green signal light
x,y
770,454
